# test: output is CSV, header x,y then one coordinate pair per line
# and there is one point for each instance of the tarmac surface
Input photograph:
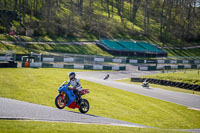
x,y
18,110
185,99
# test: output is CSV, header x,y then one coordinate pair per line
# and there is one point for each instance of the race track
x,y
19,110
189,100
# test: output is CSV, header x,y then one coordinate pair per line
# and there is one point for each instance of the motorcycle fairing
x,y
70,94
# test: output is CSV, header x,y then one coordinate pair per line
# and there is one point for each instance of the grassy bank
x,y
7,37
195,52
40,86
53,127
90,49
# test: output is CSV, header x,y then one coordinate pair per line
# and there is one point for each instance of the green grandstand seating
x,y
113,45
148,46
130,46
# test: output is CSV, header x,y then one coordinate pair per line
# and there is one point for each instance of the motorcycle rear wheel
x,y
60,103
84,106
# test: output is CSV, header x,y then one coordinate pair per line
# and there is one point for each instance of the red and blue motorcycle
x,y
67,98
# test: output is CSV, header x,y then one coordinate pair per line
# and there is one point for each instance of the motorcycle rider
x,y
145,83
75,83
107,76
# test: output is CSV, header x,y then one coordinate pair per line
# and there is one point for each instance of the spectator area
x,y
131,47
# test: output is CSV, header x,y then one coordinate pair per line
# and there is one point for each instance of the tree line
x,y
169,21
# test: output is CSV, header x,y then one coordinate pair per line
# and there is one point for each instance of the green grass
x,y
191,77
7,37
184,53
162,87
40,86
12,47
90,49
7,126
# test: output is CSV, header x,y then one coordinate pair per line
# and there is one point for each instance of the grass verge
x,y
162,87
7,126
40,86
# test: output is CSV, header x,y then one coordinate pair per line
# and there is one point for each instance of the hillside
x,y
89,49
159,21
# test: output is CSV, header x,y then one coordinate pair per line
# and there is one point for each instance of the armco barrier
x,y
107,59
47,65
69,66
194,66
115,68
180,67
88,67
76,66
98,67
48,59
99,59
58,59
36,64
107,67
8,65
168,83
161,61
82,59
58,65
122,68
162,67
85,58
68,59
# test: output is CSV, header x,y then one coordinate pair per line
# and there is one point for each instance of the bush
x,y
2,29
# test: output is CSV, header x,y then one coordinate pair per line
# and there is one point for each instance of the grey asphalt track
x,y
19,110
189,100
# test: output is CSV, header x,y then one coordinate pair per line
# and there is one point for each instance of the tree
x,y
136,5
165,18
120,9
81,7
146,17
108,9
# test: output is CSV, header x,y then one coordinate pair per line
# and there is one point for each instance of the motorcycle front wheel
x,y
60,102
84,106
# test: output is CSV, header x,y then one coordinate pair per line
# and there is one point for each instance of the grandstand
x,y
130,48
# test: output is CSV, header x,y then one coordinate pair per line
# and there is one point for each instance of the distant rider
x,y
75,83
107,76
145,83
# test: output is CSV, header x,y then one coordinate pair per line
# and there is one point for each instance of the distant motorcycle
x,y
145,84
106,77
67,98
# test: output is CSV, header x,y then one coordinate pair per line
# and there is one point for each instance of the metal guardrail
x,y
168,83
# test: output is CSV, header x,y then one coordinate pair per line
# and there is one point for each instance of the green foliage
x,y
6,37
18,49
40,86
73,20
2,29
